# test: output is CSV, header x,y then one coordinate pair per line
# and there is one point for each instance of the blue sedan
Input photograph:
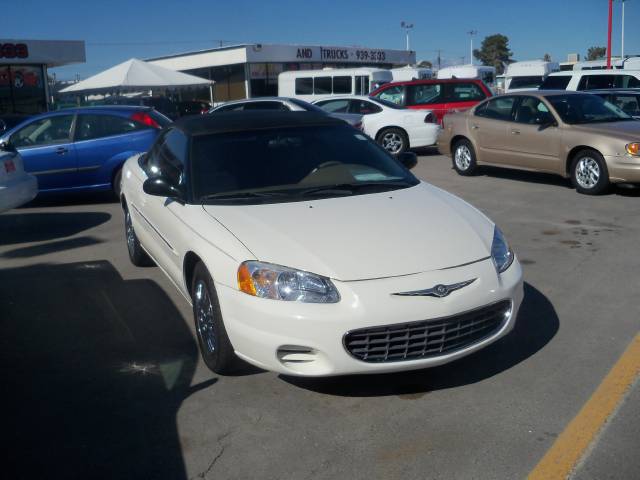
x,y
83,149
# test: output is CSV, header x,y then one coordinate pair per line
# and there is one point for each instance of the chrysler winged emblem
x,y
437,290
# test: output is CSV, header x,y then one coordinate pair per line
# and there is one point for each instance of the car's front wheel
x,y
589,173
464,158
137,255
215,346
393,140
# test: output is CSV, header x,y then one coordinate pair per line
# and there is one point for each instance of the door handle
x,y
515,132
474,127
61,150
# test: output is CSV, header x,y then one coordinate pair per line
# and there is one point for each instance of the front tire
x,y
464,158
215,346
589,174
393,140
116,186
137,255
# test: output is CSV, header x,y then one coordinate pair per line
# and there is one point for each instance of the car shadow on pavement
x,y
95,369
24,227
625,190
536,325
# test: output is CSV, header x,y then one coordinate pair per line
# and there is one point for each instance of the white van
x,y
629,63
482,72
529,75
407,74
311,85
591,80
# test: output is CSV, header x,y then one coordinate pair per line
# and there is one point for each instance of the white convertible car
x,y
307,249
394,127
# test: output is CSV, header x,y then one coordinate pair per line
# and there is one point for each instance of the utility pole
x,y
407,26
471,34
609,35
622,40
439,59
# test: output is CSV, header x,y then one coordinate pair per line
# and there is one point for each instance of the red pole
x,y
609,35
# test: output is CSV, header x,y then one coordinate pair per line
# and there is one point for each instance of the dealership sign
x,y
321,54
14,50
46,52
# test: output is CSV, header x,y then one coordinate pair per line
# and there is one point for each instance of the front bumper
x,y
623,168
307,339
18,191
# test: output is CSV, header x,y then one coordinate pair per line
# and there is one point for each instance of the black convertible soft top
x,y
259,120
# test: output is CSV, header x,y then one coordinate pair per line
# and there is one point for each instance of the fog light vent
x,y
296,354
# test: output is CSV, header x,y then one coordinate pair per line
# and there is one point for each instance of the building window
x,y
22,89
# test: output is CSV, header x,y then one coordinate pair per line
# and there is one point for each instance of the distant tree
x,y
494,51
547,57
596,53
425,64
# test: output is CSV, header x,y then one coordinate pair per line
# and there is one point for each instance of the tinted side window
x,y
341,84
363,107
47,131
627,103
627,81
499,108
304,86
322,85
425,94
465,92
169,157
334,106
533,111
236,107
556,83
362,85
265,106
98,126
588,82
394,94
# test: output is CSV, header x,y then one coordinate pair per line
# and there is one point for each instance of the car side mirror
x,y
7,146
408,159
162,187
546,122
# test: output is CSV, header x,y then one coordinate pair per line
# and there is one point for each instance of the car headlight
x,y
501,254
633,148
266,280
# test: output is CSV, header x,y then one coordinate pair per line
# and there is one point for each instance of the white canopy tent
x,y
134,75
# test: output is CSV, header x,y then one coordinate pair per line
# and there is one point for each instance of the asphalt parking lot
x,y
103,377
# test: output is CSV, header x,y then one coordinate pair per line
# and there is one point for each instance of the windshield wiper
x,y
352,188
241,195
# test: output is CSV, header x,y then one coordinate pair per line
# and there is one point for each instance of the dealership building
x,y
251,70
23,71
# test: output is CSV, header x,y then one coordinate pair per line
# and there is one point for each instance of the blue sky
x,y
117,30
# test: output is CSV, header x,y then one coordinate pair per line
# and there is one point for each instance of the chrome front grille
x,y
426,338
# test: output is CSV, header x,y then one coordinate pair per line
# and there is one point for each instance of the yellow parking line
x,y
569,447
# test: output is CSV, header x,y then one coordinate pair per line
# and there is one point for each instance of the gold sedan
x,y
574,134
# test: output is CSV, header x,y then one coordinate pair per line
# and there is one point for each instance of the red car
x,y
439,96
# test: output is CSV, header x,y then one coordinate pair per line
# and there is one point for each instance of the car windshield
x,y
586,108
291,164
387,103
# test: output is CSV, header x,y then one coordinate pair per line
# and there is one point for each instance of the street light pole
x,y
622,41
471,34
407,26
609,35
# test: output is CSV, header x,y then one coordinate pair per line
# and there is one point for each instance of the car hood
x,y
627,130
379,235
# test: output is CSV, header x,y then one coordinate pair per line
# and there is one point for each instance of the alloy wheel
x,y
462,157
392,142
587,172
131,234
204,317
